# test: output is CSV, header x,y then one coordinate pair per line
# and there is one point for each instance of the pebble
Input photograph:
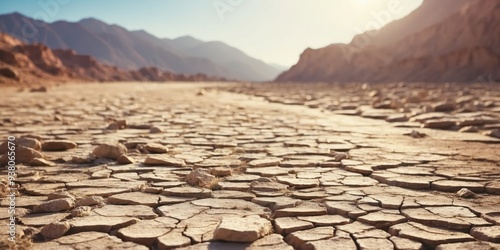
x,y
110,150
55,230
246,229
58,145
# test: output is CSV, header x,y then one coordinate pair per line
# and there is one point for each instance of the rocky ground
x,y
204,166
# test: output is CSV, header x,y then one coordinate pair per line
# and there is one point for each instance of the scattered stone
x,y
59,194
89,201
266,162
466,193
155,130
119,124
56,205
40,162
24,155
39,89
164,160
221,171
468,129
22,141
245,229
124,159
492,133
110,150
155,148
416,134
81,211
201,177
55,230
439,124
58,145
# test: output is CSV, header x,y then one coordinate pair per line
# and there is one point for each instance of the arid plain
x,y
253,166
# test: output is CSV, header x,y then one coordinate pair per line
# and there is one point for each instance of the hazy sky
x,y
275,31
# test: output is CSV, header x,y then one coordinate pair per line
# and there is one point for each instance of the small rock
x,y
439,124
468,129
40,162
83,159
81,211
55,230
465,193
221,171
155,130
24,155
247,229
444,106
416,134
56,205
89,201
59,195
124,159
23,141
165,161
110,151
120,124
341,156
39,89
200,177
58,145
492,133
155,148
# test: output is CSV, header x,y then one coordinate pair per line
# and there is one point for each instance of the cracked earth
x,y
226,166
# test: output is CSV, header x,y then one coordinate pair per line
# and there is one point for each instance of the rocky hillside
x,y
115,45
34,64
461,47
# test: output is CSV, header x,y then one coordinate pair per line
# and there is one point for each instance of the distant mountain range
x,y
24,64
115,45
441,41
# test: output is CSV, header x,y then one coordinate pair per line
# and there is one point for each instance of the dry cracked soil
x,y
253,166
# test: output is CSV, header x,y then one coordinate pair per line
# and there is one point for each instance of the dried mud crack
x,y
160,166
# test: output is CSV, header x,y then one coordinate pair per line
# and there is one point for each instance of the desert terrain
x,y
220,125
232,166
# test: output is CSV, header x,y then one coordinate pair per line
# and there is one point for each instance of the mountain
x,y
461,46
428,14
232,58
33,64
113,44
